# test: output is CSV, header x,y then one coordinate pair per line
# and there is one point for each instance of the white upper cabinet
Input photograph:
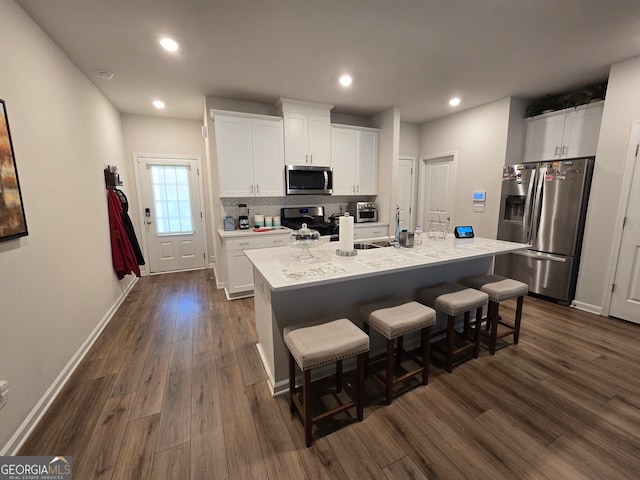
x,y
307,132
354,158
250,155
564,134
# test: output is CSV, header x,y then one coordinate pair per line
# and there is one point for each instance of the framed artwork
x,y
13,223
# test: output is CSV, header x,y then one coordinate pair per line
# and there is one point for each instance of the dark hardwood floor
x,y
174,389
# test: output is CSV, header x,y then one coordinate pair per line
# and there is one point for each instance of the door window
x,y
171,199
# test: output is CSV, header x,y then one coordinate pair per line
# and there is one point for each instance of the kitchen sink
x,y
370,245
364,246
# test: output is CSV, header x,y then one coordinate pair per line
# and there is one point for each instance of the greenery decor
x,y
582,96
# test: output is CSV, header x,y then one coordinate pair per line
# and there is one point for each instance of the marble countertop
x,y
284,271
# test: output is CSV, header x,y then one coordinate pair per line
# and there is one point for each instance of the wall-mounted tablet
x,y
465,231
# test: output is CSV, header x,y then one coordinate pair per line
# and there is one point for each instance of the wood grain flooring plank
x,y
538,462
404,469
150,392
137,453
250,364
244,455
356,460
385,448
175,421
278,449
172,463
223,344
69,422
208,451
101,454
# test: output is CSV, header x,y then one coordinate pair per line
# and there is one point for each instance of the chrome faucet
x,y
396,239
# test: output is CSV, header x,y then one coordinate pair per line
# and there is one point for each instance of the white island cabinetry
x,y
288,291
250,154
354,158
564,134
370,230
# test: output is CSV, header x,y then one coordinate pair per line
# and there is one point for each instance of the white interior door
x,y
171,213
437,187
404,188
625,298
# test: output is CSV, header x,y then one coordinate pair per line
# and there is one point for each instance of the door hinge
x,y
637,147
200,214
624,222
198,171
613,287
204,255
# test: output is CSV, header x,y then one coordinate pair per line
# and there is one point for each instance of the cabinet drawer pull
x,y
244,244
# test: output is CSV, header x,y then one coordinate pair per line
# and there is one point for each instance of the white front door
x,y
625,299
404,188
437,186
171,212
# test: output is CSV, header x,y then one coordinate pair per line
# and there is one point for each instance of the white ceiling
x,y
411,54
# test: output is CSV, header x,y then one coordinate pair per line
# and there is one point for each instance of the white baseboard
x,y
29,424
587,307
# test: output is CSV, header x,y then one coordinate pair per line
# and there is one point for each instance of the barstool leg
x,y
451,324
339,376
362,362
493,340
400,346
292,383
425,340
389,376
476,333
516,329
306,399
365,328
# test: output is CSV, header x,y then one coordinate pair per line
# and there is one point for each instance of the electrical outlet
x,y
4,391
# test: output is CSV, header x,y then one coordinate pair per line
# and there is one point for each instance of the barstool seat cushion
x,y
397,316
315,345
452,298
497,287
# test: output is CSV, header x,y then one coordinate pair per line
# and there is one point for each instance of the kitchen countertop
x,y
250,233
283,271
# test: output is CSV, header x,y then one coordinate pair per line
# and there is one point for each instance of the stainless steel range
x,y
294,217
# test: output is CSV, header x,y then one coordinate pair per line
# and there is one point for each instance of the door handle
x,y
565,150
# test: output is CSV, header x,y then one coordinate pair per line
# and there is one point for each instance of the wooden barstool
x,y
394,318
316,345
454,299
499,288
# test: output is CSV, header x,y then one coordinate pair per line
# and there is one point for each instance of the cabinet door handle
x,y
358,188
556,154
353,189
257,189
306,158
311,157
565,150
251,188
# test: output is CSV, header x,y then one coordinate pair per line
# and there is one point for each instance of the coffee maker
x,y
243,217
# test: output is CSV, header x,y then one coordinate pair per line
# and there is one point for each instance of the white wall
x,y
166,136
409,140
480,137
621,108
57,284
388,154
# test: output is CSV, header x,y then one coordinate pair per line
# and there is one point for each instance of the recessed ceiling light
x,y
454,102
159,104
345,80
105,74
169,44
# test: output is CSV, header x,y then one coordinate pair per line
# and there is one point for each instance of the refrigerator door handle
x,y
528,208
541,256
537,208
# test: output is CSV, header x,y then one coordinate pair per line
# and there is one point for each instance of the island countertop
x,y
283,271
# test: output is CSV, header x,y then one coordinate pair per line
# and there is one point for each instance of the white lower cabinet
x,y
239,268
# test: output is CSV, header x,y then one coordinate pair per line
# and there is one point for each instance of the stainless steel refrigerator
x,y
545,205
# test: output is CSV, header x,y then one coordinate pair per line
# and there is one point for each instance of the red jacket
x,y
124,258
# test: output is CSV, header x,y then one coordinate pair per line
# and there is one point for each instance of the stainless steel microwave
x,y
308,180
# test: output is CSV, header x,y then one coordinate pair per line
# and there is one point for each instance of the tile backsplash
x,y
270,206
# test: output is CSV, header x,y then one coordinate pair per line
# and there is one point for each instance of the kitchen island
x,y
289,291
